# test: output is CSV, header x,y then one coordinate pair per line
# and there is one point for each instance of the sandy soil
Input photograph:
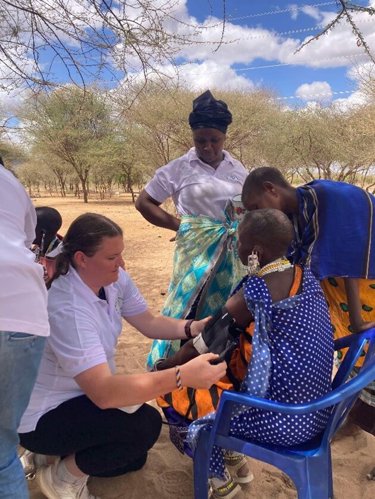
x,y
168,474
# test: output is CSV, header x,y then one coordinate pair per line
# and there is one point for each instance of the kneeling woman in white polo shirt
x,y
79,409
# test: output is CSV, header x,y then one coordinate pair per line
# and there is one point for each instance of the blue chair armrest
x,y
356,343
348,340
229,399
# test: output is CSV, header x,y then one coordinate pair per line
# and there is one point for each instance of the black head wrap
x,y
209,113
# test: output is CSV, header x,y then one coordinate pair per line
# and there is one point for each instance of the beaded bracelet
x,y
188,324
178,377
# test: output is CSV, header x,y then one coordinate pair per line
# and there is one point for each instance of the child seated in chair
x,y
285,353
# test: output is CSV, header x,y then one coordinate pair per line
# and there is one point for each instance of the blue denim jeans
x,y
20,355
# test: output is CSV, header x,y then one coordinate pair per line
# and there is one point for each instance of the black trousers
x,y
106,443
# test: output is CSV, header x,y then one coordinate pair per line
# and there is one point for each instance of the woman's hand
x,y
198,326
200,373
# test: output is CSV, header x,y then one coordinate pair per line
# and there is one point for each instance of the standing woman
x,y
201,184
96,421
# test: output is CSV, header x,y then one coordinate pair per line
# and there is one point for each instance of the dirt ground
x,y
167,474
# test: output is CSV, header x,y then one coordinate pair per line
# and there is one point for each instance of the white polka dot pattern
x,y
291,363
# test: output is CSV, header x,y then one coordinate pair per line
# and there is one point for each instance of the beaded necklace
x,y
278,265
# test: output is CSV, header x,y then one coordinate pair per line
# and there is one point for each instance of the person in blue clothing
x,y
286,318
334,232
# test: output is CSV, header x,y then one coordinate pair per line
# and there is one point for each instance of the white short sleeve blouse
x,y
196,187
84,333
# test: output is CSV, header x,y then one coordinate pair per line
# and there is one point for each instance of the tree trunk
x,y
84,184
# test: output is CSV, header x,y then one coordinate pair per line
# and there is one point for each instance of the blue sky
x,y
258,50
260,40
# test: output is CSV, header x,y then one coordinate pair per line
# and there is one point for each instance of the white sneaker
x,y
52,490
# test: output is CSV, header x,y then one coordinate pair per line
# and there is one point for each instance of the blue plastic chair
x,y
308,465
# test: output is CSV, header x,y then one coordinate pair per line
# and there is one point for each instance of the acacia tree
x,y
129,159
254,115
89,40
73,125
12,154
32,177
60,169
159,121
162,116
346,9
320,142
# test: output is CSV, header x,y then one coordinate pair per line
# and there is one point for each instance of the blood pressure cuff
x,y
220,334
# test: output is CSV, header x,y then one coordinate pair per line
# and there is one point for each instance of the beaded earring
x,y
253,265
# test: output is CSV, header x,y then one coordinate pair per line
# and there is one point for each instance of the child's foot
x,y
224,488
238,467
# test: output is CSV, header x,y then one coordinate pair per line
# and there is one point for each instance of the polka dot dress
x,y
291,363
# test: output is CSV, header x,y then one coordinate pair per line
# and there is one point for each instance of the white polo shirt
x,y
196,187
23,294
84,333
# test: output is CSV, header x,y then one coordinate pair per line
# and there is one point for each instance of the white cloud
x,y
361,72
209,74
293,11
354,100
311,11
200,76
211,58
213,54
317,91
10,100
243,44
339,46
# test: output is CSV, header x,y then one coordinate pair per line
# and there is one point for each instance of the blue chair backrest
x,y
356,344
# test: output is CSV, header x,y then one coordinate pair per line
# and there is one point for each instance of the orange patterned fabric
x,y
196,403
334,290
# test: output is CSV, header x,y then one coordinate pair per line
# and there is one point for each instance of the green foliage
x,y
100,142
72,125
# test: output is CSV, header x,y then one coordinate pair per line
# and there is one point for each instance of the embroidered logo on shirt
x,y
234,178
118,304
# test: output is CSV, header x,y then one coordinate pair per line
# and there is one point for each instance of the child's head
x,y
264,187
268,232
48,223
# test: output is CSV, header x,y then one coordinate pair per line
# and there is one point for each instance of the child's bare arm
x,y
237,308
187,352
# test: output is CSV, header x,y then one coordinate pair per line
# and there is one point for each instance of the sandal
x,y
238,467
225,488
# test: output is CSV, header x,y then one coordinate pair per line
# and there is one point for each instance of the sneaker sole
x,y
233,470
230,495
243,479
